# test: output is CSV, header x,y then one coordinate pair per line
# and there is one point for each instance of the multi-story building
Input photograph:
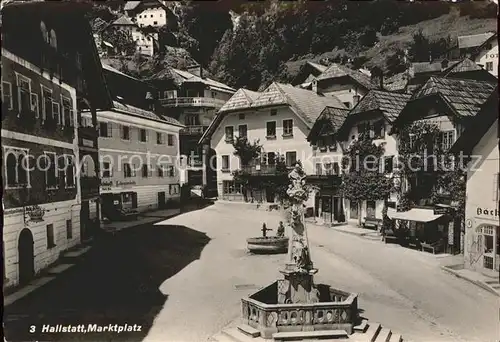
x,y
327,156
372,118
482,48
348,85
45,85
139,150
482,231
280,118
450,105
194,100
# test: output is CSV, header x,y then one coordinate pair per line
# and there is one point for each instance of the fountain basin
x,y
336,310
267,245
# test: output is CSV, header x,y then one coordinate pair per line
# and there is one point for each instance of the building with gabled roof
x,y
451,105
307,73
348,85
280,117
372,118
482,231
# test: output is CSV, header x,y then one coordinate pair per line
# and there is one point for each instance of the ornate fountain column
x,y
297,285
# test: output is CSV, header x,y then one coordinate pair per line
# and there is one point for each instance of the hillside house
x,y
150,13
482,49
348,85
307,73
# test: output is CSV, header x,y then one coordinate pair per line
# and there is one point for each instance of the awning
x,y
415,214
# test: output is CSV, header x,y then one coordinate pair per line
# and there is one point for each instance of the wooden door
x,y
26,257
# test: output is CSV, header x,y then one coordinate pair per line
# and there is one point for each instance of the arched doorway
x,y
26,256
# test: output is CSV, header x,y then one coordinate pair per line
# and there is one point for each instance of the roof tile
x,y
338,70
390,103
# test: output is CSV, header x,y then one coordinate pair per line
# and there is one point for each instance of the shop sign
x,y
442,210
486,213
33,213
87,142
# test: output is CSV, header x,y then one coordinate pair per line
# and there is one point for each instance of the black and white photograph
x,y
250,171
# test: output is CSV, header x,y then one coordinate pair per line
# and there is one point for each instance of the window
x,y
69,229
271,129
160,170
291,158
288,127
154,23
229,133
16,168
170,94
125,132
489,66
225,163
67,112
214,94
128,171
46,103
69,171
107,170
412,139
378,129
53,39
336,168
50,236
151,16
105,129
147,171
23,93
170,140
319,168
241,116
160,138
447,139
242,131
7,94
171,171
271,158
50,168
362,128
56,112
230,187
347,104
143,135
274,112
192,120
389,164
45,33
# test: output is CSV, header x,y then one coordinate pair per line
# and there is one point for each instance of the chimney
x,y
195,70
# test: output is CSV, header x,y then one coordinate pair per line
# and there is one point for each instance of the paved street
x,y
182,280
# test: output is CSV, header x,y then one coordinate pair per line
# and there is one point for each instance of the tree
x,y
366,179
420,48
396,63
247,152
121,40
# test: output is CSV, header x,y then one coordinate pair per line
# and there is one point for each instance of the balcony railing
x,y
263,170
194,130
192,102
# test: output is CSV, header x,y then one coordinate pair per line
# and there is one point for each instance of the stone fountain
x,y
294,306
268,244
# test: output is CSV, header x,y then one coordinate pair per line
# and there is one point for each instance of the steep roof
x,y
465,97
397,82
338,70
485,119
389,103
116,71
319,67
124,21
464,65
474,40
130,5
331,116
145,114
306,103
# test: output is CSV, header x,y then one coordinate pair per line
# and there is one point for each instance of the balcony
x,y
194,130
87,137
89,187
192,102
260,170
